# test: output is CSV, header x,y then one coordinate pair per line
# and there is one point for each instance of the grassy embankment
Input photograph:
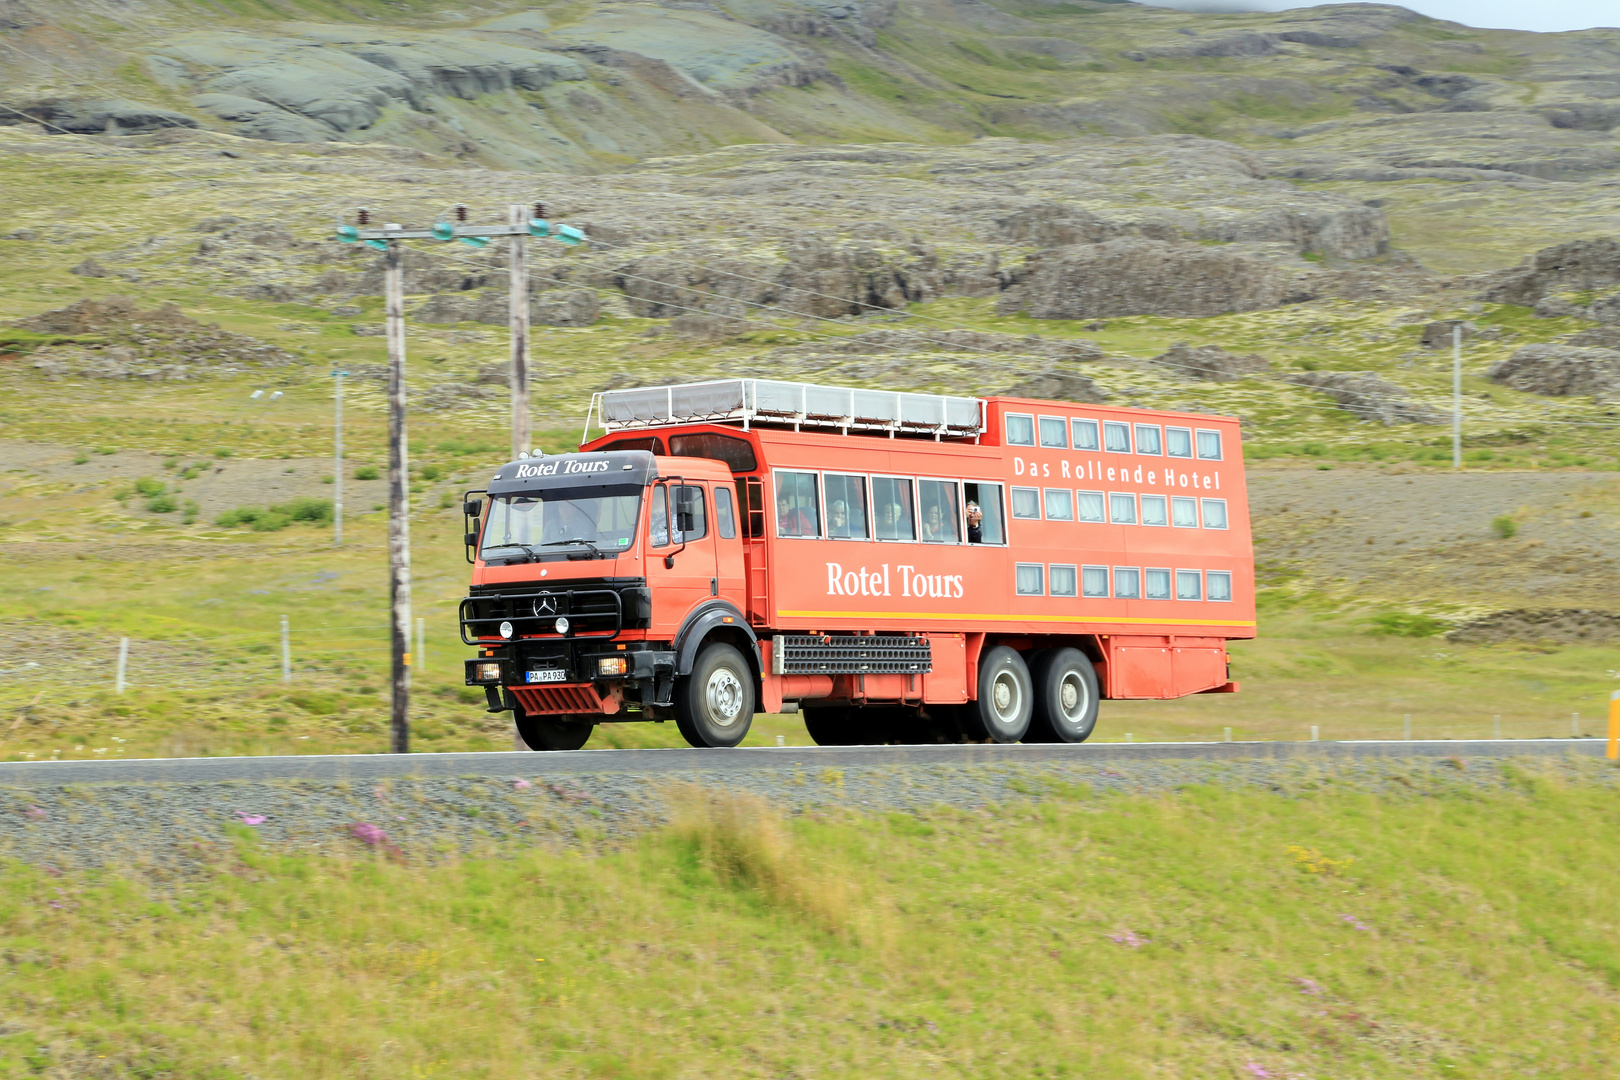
x,y
1209,933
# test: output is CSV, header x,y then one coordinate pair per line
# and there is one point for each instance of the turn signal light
x,y
487,672
612,665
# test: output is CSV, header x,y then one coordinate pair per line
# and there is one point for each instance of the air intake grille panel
x,y
844,654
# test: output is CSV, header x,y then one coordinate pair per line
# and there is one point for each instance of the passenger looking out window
x,y
846,507
939,512
986,524
892,503
797,510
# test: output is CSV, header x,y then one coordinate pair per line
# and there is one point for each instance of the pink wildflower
x,y
522,785
1355,922
367,833
251,819
1129,939
1309,986
1256,1069
34,813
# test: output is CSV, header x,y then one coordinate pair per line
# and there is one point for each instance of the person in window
x,y
837,519
889,517
975,520
933,529
791,521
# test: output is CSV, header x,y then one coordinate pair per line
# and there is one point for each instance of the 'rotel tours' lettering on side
x,y
864,582
552,468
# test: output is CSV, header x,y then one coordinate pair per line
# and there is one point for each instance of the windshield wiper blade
x,y
596,551
527,550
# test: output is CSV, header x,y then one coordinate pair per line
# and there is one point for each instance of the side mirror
x,y
470,539
669,562
472,508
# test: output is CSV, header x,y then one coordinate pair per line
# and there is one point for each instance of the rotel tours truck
x,y
900,567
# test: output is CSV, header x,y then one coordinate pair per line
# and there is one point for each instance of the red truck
x,y
899,567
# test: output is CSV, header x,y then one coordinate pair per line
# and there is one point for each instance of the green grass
x,y
1214,932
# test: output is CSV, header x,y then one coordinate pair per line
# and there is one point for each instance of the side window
x,y
1116,438
1219,585
1156,584
941,504
1178,441
1094,582
1091,506
1189,585
1147,439
658,515
1020,430
1122,508
751,497
1209,445
992,527
1184,512
1059,504
691,522
1084,433
1026,503
892,509
1154,511
1029,577
1127,583
846,507
797,507
725,519
1053,433
1062,580
1214,513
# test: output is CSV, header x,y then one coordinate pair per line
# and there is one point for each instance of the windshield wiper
x,y
596,552
527,550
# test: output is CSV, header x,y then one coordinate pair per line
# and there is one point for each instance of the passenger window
x,y
1154,511
1147,439
1091,506
724,518
1209,445
1026,503
893,509
1184,512
1053,435
1214,513
1178,441
1156,584
691,522
658,528
1062,580
738,454
1117,438
1122,508
941,511
1127,583
1020,430
1219,584
1084,433
846,507
1094,582
797,509
1029,579
1059,504
1189,585
986,500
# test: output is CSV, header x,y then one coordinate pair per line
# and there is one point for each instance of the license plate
x,y
555,674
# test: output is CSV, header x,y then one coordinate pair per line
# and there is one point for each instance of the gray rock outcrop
x,y
103,116
1564,626
1367,396
1438,334
1058,386
1212,363
1578,265
561,307
1560,371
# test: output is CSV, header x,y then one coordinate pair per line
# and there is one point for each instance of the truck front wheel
x,y
714,706
552,732
1065,697
1005,700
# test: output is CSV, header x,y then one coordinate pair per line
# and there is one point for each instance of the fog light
x,y
506,629
562,625
612,665
487,672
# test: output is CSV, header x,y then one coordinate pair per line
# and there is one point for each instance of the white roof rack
x,y
767,402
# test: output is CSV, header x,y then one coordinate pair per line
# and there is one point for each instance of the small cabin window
x,y
1214,513
691,523
1029,581
1094,582
1084,433
1127,583
1189,585
992,527
893,509
1062,580
1184,512
1020,430
1059,504
1054,435
651,443
1156,584
738,454
1122,508
846,507
1092,507
1026,503
1209,445
1154,511
1147,439
797,508
1178,441
1219,585
725,517
1117,438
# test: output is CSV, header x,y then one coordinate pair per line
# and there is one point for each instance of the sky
x,y
1543,15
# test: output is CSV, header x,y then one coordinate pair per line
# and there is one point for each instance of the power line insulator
x,y
461,213
365,216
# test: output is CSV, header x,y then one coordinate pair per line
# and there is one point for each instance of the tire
x,y
1066,697
1006,698
714,705
829,725
552,732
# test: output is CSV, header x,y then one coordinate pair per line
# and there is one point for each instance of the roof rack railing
x,y
774,403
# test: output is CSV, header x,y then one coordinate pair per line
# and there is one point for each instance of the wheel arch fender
x,y
716,620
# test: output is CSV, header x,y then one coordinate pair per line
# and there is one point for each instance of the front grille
x,y
828,654
597,608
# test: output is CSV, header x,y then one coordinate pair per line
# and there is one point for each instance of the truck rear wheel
x,y
552,732
1065,697
1006,698
714,706
829,725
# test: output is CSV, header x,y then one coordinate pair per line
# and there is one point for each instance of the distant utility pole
x,y
518,218
337,460
1456,396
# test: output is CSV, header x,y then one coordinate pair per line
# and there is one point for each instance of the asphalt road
x,y
655,762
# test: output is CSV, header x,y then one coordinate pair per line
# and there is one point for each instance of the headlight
x,y
487,672
562,625
612,665
506,629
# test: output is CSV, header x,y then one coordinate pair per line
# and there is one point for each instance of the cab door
x,y
681,562
728,548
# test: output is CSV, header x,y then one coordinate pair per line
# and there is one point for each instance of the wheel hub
x,y
724,694
1004,695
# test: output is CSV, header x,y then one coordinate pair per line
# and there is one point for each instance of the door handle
x,y
714,586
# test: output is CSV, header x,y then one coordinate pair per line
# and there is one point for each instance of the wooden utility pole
x,y
1456,395
399,521
337,458
517,253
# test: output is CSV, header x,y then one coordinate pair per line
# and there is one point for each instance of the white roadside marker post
x,y
286,652
123,662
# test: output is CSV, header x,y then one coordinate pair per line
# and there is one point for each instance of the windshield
x,y
550,523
